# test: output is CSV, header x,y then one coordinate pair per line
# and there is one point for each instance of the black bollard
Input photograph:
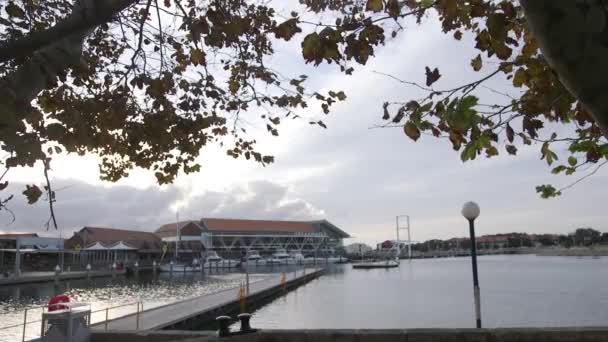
x,y
245,318
223,326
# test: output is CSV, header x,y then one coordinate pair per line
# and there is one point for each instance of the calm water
x,y
515,291
107,292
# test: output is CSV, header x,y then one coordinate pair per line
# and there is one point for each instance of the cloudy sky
x,y
356,177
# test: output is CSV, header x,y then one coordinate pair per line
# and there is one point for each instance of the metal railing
x,y
139,309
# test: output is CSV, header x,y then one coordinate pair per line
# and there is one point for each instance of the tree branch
x,y
50,194
93,13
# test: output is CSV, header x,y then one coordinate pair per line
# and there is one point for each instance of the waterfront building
x,y
234,237
103,246
29,252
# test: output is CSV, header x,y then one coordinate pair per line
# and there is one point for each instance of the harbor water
x,y
516,291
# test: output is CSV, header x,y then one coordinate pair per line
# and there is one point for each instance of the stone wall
x,y
591,334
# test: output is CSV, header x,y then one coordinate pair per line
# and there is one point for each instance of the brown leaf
x,y
476,63
411,130
32,193
431,76
374,5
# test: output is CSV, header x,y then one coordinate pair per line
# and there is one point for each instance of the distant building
x,y
391,244
493,241
357,248
237,236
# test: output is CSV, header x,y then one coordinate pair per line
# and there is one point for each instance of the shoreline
x,y
574,252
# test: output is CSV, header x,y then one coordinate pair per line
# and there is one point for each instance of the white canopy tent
x,y
121,246
97,246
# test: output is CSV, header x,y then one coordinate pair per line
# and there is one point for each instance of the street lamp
x,y
470,211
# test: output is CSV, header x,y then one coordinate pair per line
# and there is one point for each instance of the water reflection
x,y
150,288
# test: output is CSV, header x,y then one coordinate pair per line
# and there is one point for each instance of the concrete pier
x,y
197,311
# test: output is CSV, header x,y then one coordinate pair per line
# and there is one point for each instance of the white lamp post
x,y
470,211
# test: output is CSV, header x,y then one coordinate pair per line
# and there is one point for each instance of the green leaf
x,y
411,130
463,116
572,161
469,152
547,191
603,150
558,169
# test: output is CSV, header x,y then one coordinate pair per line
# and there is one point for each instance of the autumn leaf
x,y
392,7
476,63
32,193
431,76
374,5
520,78
197,57
411,130
287,29
510,133
14,11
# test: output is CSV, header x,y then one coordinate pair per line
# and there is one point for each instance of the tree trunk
x,y
573,37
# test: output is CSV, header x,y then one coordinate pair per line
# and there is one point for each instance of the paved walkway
x,y
167,315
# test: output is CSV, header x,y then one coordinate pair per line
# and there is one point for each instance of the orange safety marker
x,y
243,298
284,281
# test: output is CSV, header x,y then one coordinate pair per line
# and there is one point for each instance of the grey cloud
x,y
257,199
80,204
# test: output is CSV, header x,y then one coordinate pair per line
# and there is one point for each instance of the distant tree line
x,y
580,237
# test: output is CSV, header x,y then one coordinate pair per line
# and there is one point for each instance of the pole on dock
x,y
57,272
88,268
24,324
114,270
247,275
470,211
170,268
154,268
136,269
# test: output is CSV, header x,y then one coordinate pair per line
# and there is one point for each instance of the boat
x,y
255,259
299,259
331,260
377,264
215,261
179,267
280,257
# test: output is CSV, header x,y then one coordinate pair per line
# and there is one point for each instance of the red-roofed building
x,y
234,236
